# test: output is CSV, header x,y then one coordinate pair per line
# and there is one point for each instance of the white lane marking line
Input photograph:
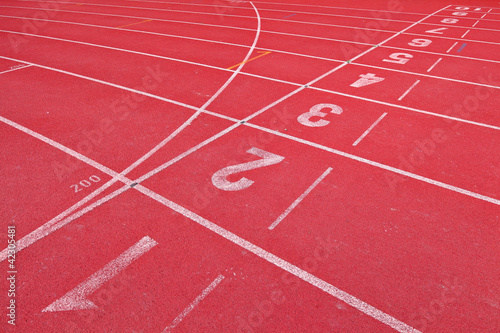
x,y
217,14
381,166
301,87
54,224
191,306
248,29
319,6
130,30
129,182
355,58
451,48
319,283
408,91
272,104
76,299
364,307
60,220
376,164
299,199
59,146
272,50
369,129
15,69
444,54
220,26
411,109
465,34
224,26
116,49
434,65
245,16
186,153
352,157
475,23
207,103
274,32
266,256
106,83
276,10
273,259
427,75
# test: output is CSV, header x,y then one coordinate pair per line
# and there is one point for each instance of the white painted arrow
x,y
76,299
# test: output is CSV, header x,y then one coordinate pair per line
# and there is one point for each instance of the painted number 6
x,y
219,179
399,58
315,111
420,42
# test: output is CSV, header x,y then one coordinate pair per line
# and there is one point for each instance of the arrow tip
x,y
69,303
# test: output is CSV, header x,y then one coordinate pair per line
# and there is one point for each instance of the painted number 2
x,y
85,183
219,179
316,111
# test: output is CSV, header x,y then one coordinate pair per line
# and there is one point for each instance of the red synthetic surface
x,y
405,217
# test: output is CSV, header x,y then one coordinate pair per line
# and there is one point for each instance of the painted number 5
x,y
399,58
315,111
219,179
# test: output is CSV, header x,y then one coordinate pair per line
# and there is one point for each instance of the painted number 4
x,y
366,80
219,179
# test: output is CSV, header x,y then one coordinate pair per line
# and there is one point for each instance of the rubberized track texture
x,y
249,166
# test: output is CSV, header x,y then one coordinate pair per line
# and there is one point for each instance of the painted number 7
x,y
219,179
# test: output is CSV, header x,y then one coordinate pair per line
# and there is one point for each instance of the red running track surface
x,y
236,166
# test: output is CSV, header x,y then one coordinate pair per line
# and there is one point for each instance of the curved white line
x,y
257,48
55,224
207,103
242,16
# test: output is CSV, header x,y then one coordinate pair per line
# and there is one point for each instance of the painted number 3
x,y
316,111
219,179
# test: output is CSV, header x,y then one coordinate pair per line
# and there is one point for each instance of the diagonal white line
x,y
299,199
56,223
451,48
225,26
200,110
283,264
381,166
369,129
434,65
191,306
408,91
276,10
76,299
15,69
264,49
349,299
